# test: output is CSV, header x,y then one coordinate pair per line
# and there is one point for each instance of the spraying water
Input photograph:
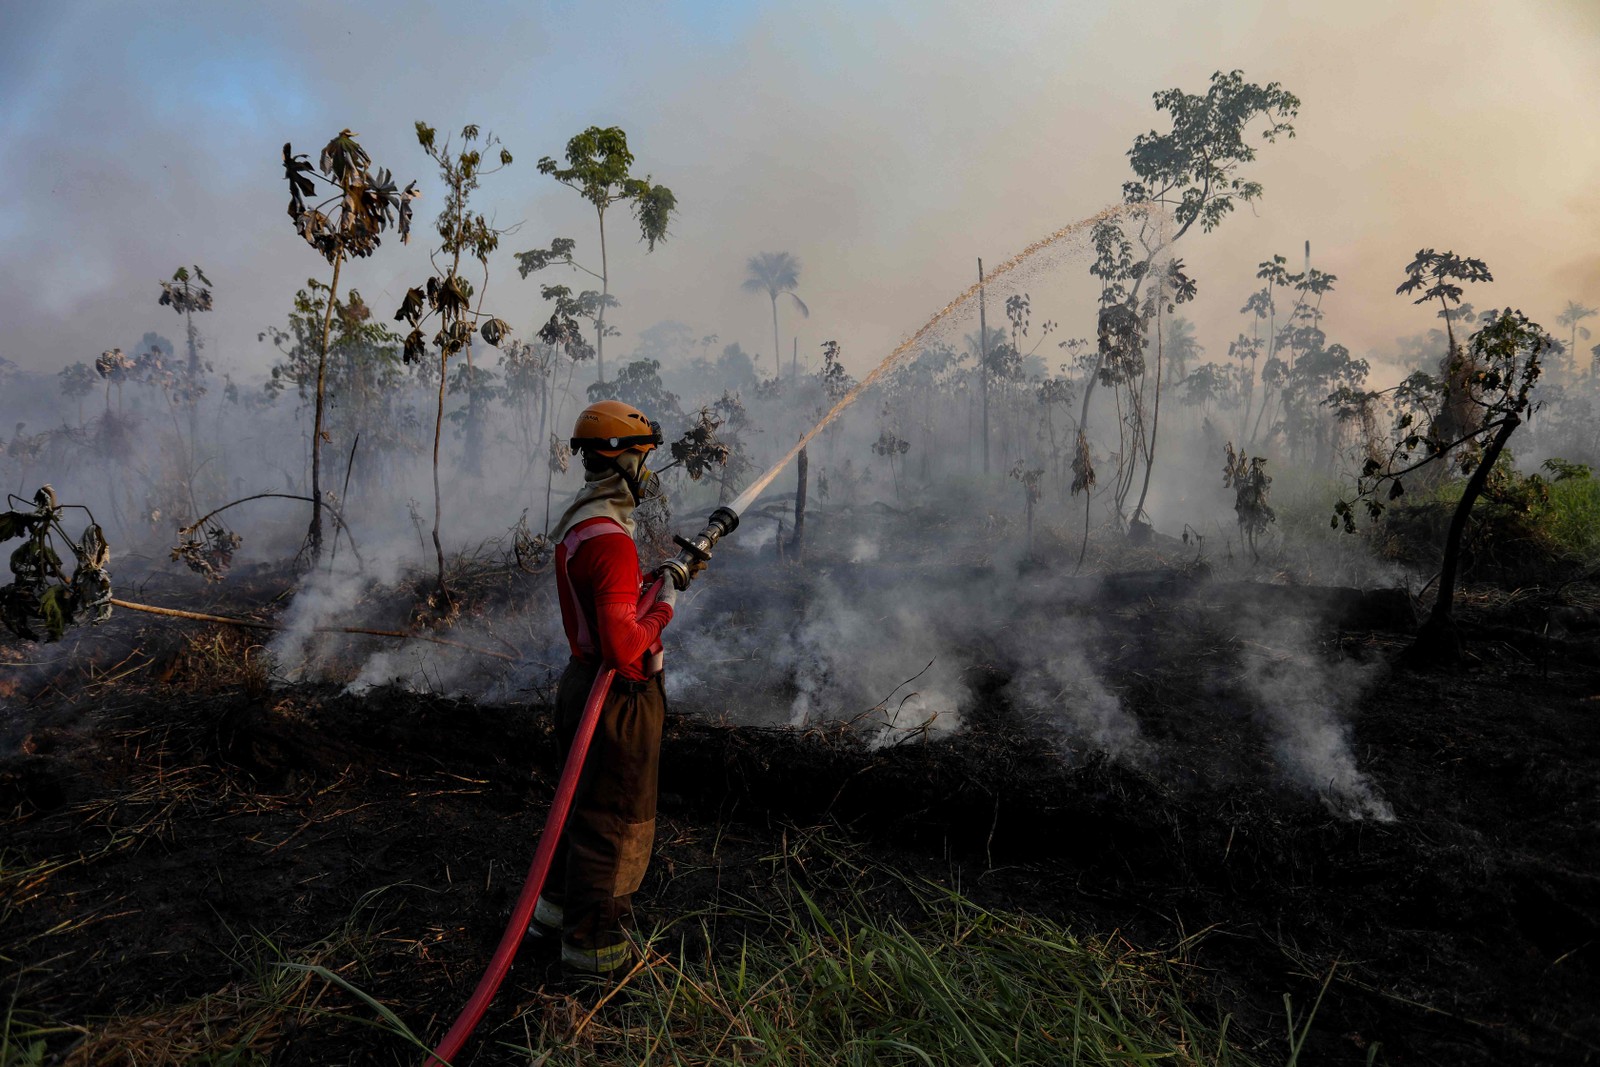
x,y
912,343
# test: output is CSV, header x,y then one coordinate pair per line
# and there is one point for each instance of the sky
x,y
886,144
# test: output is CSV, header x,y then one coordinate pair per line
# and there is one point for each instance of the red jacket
x,y
599,582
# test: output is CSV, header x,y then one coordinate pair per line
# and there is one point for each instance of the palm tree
x,y
1182,347
1571,316
776,274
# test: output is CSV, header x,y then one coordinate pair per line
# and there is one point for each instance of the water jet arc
x,y
723,521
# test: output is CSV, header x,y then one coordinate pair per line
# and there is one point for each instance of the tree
x,y
78,380
776,274
368,204
1571,316
1464,418
890,446
1182,347
1251,486
1439,276
361,378
187,294
449,295
1029,478
1208,384
1313,372
1194,169
598,163
639,384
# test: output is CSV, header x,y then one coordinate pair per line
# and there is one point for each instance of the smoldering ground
x,y
1184,676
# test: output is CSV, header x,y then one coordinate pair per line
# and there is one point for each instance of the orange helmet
x,y
610,428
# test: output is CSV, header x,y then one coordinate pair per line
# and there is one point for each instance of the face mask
x,y
643,483
647,486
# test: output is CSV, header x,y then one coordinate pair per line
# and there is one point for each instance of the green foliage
x,y
1563,470
1524,526
1570,519
41,596
364,372
598,168
598,164
836,974
560,251
1504,364
562,330
1196,162
639,384
460,231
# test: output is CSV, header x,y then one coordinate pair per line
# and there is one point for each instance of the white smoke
x,y
1305,702
1063,684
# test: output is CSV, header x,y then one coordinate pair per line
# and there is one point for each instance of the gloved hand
x,y
696,569
668,594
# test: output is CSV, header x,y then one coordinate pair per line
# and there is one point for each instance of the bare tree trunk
x,y
605,292
1436,641
802,467
438,510
1155,425
777,360
191,335
314,534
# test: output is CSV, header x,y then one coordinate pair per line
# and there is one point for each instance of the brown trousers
x,y
605,847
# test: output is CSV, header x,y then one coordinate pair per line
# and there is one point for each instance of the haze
x,y
887,146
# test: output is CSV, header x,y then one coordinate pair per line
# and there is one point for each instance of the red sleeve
x,y
614,574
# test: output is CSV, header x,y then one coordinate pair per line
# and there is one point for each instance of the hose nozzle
x,y
723,521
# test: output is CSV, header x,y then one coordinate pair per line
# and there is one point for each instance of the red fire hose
x,y
511,940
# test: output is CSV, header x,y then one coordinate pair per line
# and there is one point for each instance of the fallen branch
x,y
253,624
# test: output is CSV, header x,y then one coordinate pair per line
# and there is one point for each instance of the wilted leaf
x,y
55,609
343,158
494,330
15,524
296,170
410,193
411,307
416,348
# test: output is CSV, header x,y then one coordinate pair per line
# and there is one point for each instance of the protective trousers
x,y
605,847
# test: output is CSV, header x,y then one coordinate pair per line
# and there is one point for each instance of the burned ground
x,y
157,831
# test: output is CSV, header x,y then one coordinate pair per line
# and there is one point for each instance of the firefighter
x,y
605,847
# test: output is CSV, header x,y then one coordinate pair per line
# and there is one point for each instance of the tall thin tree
x,y
598,163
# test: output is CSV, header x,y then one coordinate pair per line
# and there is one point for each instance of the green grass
x,y
940,981
832,958
1571,519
